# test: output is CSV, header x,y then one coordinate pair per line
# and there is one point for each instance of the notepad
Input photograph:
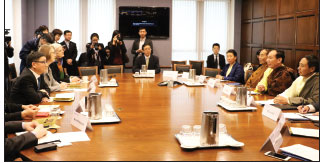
x,y
294,116
310,116
64,97
301,152
265,102
304,132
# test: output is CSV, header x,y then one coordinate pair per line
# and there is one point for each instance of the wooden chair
x,y
212,72
114,69
12,70
182,68
198,65
178,62
86,71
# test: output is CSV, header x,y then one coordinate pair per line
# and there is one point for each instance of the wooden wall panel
x,y
306,29
258,32
258,8
270,32
270,7
287,6
247,9
292,25
287,31
303,5
254,56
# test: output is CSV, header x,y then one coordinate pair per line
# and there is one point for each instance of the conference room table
x,y
151,115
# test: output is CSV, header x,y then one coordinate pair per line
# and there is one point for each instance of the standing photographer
x,y
95,52
117,50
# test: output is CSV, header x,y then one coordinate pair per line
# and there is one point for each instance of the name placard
x,y
227,89
271,112
79,121
202,78
185,75
170,75
212,83
93,79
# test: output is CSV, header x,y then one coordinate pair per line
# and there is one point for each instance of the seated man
x,y
277,77
30,87
148,59
17,112
305,89
258,74
15,144
216,60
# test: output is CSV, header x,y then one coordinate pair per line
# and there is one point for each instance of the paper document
x,y
252,93
64,97
75,89
310,116
265,102
294,116
47,108
305,132
73,136
302,151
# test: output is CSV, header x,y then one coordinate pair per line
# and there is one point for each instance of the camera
x,y
96,46
119,38
7,38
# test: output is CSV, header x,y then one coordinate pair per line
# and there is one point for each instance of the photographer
x,y
117,50
95,52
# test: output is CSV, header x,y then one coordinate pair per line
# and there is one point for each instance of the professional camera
x,y
119,38
96,46
7,38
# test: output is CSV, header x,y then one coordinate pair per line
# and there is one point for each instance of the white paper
x,y
93,78
252,93
305,132
79,121
302,151
250,101
170,75
276,139
271,112
193,84
73,136
64,95
185,75
212,82
310,116
294,116
76,89
202,78
265,102
108,84
227,89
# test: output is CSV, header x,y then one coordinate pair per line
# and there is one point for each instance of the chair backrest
x,y
12,70
178,62
182,68
212,72
198,65
86,71
114,69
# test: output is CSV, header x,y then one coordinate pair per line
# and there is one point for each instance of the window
x,y
197,24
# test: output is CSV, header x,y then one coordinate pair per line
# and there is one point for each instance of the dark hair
x,y
42,28
145,45
312,62
94,35
141,28
216,44
233,51
67,31
116,32
56,32
48,38
259,51
280,54
32,57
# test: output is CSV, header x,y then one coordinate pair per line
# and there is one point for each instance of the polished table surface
x,y
151,116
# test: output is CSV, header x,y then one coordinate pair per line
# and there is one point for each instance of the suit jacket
x,y
236,74
15,144
56,73
25,89
12,111
316,106
135,46
31,45
51,82
101,57
70,53
153,63
212,64
256,77
279,80
309,93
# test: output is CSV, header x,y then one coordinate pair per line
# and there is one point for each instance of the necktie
x,y
216,62
147,62
39,83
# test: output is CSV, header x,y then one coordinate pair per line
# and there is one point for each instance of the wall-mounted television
x,y
154,19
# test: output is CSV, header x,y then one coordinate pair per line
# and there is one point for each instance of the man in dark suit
x,y
15,144
216,60
70,54
148,59
30,87
33,45
138,43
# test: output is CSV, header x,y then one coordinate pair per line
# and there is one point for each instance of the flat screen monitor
x,y
154,19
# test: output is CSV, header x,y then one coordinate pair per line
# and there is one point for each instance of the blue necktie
x,y
39,83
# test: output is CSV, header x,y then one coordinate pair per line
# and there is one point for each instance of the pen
x,y
51,141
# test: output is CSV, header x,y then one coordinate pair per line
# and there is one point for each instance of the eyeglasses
x,y
44,62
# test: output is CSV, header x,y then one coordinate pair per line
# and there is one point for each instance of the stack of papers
x,y
265,102
310,116
294,117
301,152
304,132
64,97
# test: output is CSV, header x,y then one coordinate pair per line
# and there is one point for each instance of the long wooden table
x,y
151,116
